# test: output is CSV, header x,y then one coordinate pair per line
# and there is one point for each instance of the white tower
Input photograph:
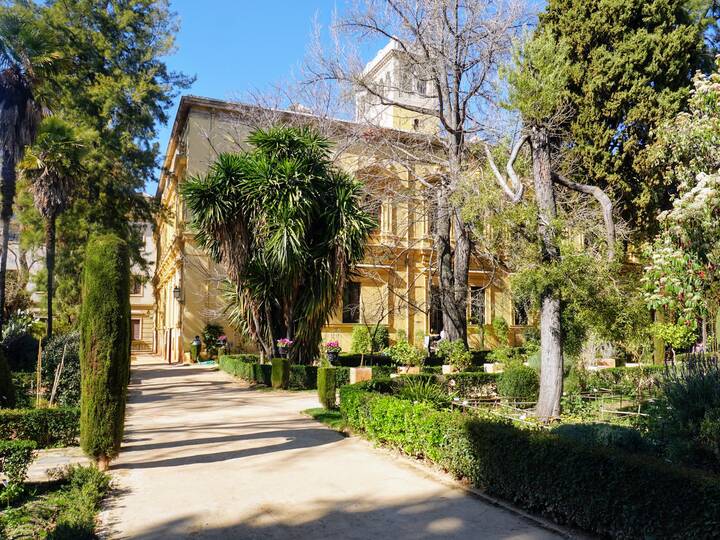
x,y
397,81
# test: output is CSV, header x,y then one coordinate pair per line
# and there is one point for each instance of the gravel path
x,y
206,457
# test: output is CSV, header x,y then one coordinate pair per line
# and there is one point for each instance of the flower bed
x,y
604,491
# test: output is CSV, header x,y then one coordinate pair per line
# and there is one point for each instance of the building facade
x,y
395,285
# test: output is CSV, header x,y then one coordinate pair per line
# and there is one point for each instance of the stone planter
x,y
358,374
408,370
283,351
495,367
447,369
332,357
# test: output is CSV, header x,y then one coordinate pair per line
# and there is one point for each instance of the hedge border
x,y
607,492
46,427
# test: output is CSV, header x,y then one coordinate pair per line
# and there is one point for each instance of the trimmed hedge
x,y
303,377
45,427
471,384
607,492
280,373
353,360
247,367
15,458
342,376
326,384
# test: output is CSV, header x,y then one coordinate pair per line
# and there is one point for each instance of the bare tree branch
x,y
515,192
605,203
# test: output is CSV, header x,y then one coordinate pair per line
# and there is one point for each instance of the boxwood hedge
x,y
604,491
45,427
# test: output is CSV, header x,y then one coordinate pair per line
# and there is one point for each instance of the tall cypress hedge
x,y
104,346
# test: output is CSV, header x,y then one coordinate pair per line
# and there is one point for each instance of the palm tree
x,y
288,227
24,54
52,166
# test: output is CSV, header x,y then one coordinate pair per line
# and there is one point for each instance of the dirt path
x,y
205,457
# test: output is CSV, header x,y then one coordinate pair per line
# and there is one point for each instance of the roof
x,y
189,102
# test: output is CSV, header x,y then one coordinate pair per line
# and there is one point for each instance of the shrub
x,y
424,390
455,353
520,383
342,376
605,435
15,458
472,385
303,377
24,390
84,491
501,330
104,346
360,342
607,492
326,385
7,388
45,427
507,355
354,360
18,342
405,354
21,352
380,338
210,335
280,373
68,391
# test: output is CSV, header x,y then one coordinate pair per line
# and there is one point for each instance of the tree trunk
x,y
7,190
50,265
551,355
462,268
443,249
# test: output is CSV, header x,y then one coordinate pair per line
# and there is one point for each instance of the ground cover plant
x,y
63,510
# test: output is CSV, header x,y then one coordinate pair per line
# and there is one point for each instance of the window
x,y
416,124
420,86
136,286
477,305
520,314
136,329
351,303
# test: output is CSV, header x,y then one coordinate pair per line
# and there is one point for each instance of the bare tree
x,y
452,48
536,84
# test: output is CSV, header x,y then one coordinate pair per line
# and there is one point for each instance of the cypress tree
x,y
104,346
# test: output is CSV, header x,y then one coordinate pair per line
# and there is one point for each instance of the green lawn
x,y
331,418
64,510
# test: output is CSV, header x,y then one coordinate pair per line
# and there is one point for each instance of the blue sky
x,y
236,46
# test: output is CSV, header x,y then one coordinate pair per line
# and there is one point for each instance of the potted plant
x,y
332,350
407,357
283,345
455,354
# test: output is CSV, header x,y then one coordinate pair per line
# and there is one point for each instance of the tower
x,y
400,82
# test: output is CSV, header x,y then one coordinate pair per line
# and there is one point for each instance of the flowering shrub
x,y
332,347
284,342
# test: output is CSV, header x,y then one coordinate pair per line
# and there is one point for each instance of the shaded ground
x,y
205,457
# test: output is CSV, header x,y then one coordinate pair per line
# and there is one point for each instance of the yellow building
x,y
395,283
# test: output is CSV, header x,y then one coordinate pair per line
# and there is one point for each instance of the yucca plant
x,y
288,227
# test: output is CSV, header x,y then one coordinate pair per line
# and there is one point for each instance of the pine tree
x,y
104,346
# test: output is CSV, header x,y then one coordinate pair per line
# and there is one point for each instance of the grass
x,y
63,510
331,418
